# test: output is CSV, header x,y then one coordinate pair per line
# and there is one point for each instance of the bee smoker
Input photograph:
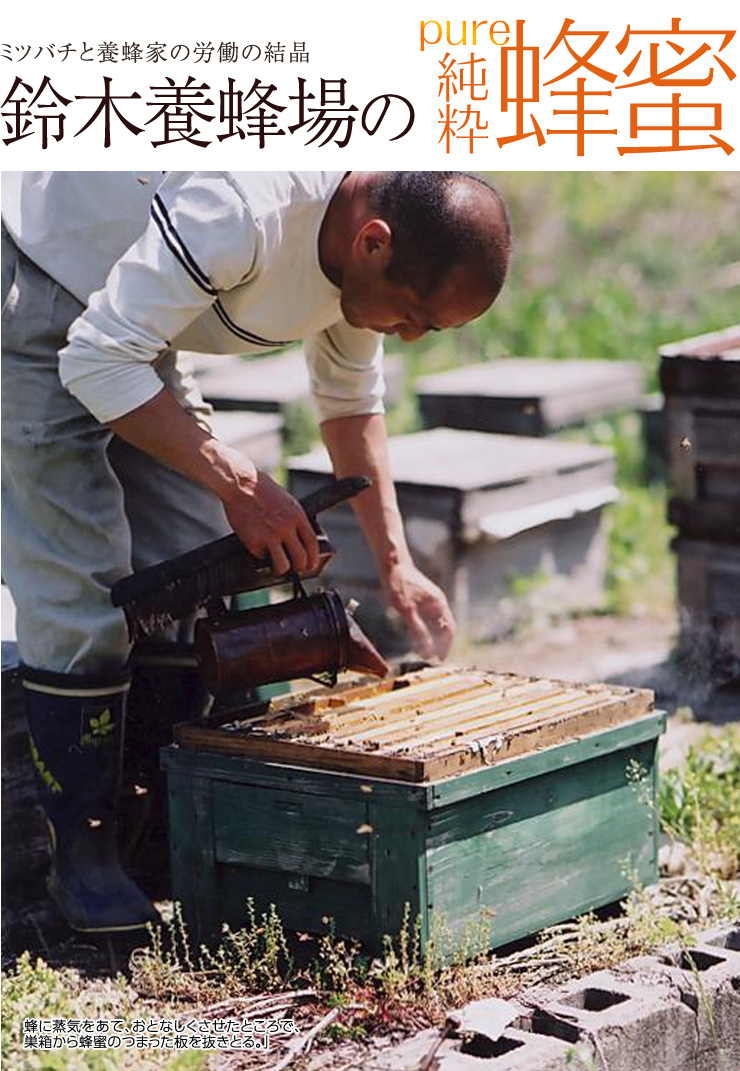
x,y
306,636
312,636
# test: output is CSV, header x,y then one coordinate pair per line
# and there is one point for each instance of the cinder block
x,y
618,1018
723,937
712,974
515,1050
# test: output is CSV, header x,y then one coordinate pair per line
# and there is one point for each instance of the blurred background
x,y
608,266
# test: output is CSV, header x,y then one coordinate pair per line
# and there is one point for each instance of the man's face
x,y
369,299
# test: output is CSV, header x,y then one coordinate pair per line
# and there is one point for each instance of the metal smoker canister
x,y
299,638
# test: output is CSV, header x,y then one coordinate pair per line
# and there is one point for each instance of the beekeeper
x,y
108,462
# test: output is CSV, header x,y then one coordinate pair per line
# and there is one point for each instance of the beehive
x,y
701,381
528,396
470,797
258,435
498,521
270,384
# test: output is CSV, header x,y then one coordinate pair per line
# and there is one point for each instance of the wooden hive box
x,y
709,599
258,435
270,384
505,524
473,798
528,395
701,380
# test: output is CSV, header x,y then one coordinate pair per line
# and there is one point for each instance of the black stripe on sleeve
x,y
178,249
241,332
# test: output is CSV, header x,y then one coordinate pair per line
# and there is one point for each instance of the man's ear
x,y
374,242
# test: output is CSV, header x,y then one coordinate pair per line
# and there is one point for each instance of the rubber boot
x,y
166,688
76,728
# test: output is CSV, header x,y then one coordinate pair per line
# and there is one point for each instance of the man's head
x,y
431,251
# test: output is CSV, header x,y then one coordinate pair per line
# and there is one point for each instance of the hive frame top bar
x,y
420,726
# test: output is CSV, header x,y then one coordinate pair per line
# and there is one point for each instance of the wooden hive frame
x,y
422,726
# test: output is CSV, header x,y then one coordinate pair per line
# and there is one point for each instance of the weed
x,y
700,803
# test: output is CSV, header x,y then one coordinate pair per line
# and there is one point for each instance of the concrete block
x,y
515,1050
617,1018
712,973
705,977
723,937
678,1010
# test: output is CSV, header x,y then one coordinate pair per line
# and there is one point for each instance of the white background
x,y
375,46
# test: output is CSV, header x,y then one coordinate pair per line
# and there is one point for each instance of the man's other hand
x,y
269,521
424,608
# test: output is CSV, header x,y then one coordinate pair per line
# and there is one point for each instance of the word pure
x,y
462,32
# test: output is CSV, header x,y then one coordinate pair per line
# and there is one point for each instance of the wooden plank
x,y
716,519
509,719
290,831
308,905
399,889
525,740
544,850
444,460
528,396
707,365
192,854
396,767
561,756
338,785
411,734
471,715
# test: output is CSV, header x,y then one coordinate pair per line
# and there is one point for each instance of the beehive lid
x,y
259,435
269,384
474,472
421,726
561,392
264,384
707,365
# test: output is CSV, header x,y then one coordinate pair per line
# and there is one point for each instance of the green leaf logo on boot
x,y
100,728
47,777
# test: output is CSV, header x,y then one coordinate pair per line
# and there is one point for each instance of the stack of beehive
x,y
700,378
507,525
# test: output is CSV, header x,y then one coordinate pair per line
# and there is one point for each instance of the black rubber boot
x,y
76,728
166,688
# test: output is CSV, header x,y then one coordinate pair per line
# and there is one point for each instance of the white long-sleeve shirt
x,y
221,262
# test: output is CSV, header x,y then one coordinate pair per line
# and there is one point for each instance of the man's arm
x,y
266,518
358,446
199,240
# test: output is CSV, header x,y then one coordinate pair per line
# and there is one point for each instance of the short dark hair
x,y
430,234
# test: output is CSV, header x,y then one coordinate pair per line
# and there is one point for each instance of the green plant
x,y
640,575
700,802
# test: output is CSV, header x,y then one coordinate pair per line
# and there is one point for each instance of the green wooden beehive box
x,y
467,796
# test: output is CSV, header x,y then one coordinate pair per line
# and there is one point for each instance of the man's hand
x,y
424,608
268,520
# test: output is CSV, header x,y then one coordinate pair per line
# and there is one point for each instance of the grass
x,y
606,264
403,989
700,803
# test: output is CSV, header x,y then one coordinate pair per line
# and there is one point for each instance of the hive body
x,y
504,805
